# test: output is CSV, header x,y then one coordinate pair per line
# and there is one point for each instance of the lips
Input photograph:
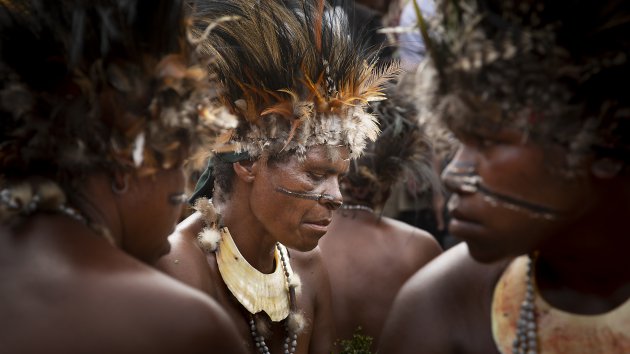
x,y
319,226
322,222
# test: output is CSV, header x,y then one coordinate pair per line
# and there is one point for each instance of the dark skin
x,y
67,290
257,216
445,307
369,258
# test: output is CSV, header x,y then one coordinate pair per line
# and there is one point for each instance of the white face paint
x,y
468,182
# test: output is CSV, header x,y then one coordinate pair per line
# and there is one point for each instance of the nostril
x,y
330,201
449,183
334,205
461,183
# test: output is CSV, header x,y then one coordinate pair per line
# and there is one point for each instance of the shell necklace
x,y
272,293
256,291
524,323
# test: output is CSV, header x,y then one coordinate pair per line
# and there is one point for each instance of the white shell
x,y
256,291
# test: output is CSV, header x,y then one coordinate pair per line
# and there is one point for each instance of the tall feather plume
x,y
293,73
317,29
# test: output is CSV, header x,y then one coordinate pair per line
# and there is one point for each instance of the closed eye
x,y
316,176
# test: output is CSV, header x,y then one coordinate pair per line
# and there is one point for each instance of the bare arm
x,y
217,335
319,283
444,308
200,326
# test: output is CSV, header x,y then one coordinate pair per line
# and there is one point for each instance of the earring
x,y
120,189
606,167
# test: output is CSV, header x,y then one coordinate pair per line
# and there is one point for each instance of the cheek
x,y
176,183
523,174
179,179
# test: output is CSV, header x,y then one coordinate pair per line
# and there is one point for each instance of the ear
x,y
245,170
606,168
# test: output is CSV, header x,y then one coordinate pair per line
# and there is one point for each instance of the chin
x,y
161,252
304,248
307,244
486,253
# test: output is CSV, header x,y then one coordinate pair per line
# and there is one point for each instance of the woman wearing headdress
x,y
541,191
299,84
369,256
99,106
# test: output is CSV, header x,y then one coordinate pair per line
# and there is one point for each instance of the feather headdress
x,y
101,85
550,68
96,86
293,74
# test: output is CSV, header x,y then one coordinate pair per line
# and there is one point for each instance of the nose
x,y
334,200
330,202
460,175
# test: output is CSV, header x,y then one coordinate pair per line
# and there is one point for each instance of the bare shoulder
x,y
312,258
316,288
444,307
419,246
183,239
312,273
185,320
309,265
187,262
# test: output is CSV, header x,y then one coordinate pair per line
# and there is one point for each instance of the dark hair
x,y
224,174
555,67
401,152
84,83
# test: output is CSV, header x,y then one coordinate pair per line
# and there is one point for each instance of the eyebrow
x,y
325,169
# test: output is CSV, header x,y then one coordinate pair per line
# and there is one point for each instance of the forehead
x,y
330,153
335,158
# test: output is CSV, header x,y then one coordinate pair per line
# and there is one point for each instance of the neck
x,y
250,237
99,214
589,262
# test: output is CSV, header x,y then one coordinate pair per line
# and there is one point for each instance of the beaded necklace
x,y
357,207
290,342
524,323
238,276
12,203
526,340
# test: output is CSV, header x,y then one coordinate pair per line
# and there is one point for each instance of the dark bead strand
x,y
290,342
526,340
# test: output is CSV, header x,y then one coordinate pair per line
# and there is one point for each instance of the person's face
x,y
507,199
156,206
294,200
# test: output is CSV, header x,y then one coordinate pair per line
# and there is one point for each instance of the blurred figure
x,y
411,48
540,184
100,105
370,256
